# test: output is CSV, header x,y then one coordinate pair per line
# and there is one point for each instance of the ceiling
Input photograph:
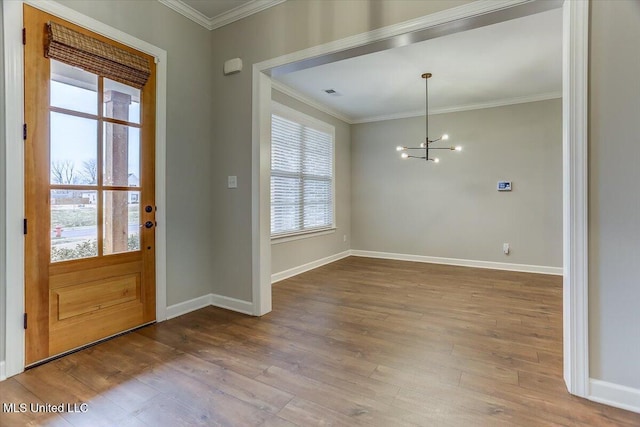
x,y
509,62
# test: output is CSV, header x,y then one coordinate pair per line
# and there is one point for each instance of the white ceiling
x,y
505,63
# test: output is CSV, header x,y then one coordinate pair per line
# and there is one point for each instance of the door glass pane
x,y
121,221
74,224
73,88
74,150
121,102
121,155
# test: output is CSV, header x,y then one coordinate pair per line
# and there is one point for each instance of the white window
x,y
302,173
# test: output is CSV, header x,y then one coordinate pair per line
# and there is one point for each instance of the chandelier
x,y
426,145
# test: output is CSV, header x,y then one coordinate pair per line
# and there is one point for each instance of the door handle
x,y
148,224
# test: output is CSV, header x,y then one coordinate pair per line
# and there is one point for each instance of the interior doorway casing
x,y
14,336
575,86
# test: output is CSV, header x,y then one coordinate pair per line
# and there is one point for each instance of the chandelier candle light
x,y
426,145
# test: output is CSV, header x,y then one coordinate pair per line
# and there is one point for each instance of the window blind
x,y
80,50
301,178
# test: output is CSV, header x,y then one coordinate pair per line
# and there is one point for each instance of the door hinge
x,y
24,131
25,321
24,226
24,36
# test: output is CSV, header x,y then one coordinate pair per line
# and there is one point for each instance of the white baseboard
x,y
3,371
241,306
526,268
244,307
188,306
276,277
614,395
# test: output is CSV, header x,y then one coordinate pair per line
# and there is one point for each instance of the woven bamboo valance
x,y
92,55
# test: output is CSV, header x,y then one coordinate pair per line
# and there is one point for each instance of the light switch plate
x,y
232,181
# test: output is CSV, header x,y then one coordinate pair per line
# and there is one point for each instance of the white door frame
x,y
14,165
575,251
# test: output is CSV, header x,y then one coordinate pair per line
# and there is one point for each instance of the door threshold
x,y
84,347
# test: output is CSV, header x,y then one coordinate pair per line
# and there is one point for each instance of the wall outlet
x,y
232,182
506,248
344,238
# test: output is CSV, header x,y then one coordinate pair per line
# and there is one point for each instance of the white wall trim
x,y
188,12
3,371
242,11
525,268
300,236
14,107
575,196
188,306
466,107
211,23
475,8
233,304
161,186
281,87
261,192
615,395
244,307
14,181
282,275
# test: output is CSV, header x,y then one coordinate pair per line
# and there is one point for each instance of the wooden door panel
x,y
65,335
98,295
67,276
81,298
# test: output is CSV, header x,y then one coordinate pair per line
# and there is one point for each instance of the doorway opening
x,y
575,31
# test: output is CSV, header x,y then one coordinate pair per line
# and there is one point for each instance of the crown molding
x,y
188,12
242,11
281,87
465,107
499,103
287,90
222,19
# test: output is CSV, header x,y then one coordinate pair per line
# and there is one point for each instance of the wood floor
x,y
358,342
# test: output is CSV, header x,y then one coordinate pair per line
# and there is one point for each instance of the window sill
x,y
303,235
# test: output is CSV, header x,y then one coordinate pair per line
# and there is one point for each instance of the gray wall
x,y
292,254
288,27
614,192
452,209
189,128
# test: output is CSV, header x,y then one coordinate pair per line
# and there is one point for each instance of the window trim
x,y
319,125
290,237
